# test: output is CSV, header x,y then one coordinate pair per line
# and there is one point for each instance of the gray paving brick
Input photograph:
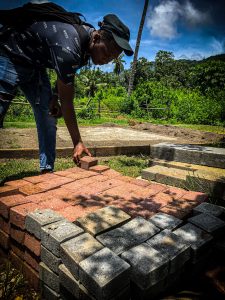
x,y
35,220
53,235
103,219
48,293
149,293
165,221
198,239
128,235
77,249
104,274
49,277
209,208
51,261
170,245
209,223
148,266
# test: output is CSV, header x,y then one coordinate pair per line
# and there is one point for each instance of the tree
x,y
133,69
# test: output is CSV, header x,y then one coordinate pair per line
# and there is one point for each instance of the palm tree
x,y
132,73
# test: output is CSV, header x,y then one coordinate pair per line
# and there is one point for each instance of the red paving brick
x,y
87,161
32,276
75,170
183,204
30,189
53,183
38,198
195,196
16,261
16,183
10,201
18,213
175,192
5,225
151,206
141,182
82,183
99,168
41,178
33,244
54,204
8,190
81,175
63,173
4,240
17,234
112,173
160,198
178,213
31,260
71,213
17,248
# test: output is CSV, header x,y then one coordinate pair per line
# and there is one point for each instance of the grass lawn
x,y
12,169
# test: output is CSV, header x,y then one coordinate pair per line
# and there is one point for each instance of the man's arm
x,y
66,95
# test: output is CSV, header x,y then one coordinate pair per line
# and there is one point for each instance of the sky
x,y
191,29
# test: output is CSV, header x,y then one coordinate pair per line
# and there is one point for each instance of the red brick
x,y
146,214
38,198
87,161
154,189
4,240
71,213
63,173
40,178
5,225
16,183
31,260
151,206
141,182
98,187
75,170
33,244
112,173
16,261
76,185
54,183
10,201
175,193
19,213
195,196
99,168
178,213
30,189
183,204
160,198
8,190
54,204
32,276
17,234
17,248
81,175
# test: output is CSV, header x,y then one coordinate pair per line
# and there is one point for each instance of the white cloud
x,y
163,20
217,46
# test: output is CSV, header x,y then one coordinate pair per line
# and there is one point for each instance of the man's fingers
x,y
88,152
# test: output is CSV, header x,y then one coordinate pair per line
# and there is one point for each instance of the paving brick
x,y
48,293
172,247
144,213
31,260
161,198
41,178
183,204
30,189
141,182
75,170
33,244
51,261
86,162
150,205
210,208
198,239
102,220
53,235
17,234
16,261
35,220
99,168
111,173
16,183
195,196
128,235
8,190
82,175
76,185
148,266
5,225
53,183
209,223
174,192
174,211
32,276
77,249
155,188
19,213
72,213
54,204
10,201
165,221
17,248
150,293
4,240
63,173
104,274
49,277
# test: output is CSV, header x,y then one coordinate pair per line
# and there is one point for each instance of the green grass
x,y
205,128
12,169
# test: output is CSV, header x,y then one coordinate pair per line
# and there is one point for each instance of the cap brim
x,y
123,44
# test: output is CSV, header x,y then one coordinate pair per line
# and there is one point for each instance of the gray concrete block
x,y
104,274
48,293
150,293
165,221
148,266
129,235
48,277
124,294
209,208
51,261
77,249
40,217
53,235
198,239
209,223
172,247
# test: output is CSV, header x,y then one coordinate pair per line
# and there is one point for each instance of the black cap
x,y
120,32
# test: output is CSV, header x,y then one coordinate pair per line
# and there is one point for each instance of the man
x,y
26,54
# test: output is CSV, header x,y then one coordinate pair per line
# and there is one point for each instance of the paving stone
x,y
10,201
32,260
35,220
53,235
99,168
172,247
148,266
4,240
77,249
17,248
16,261
104,274
150,293
112,173
8,190
51,261
129,235
176,212
198,239
18,213
72,213
209,223
16,183
31,276
30,189
102,220
71,284
33,244
87,161
209,208
49,277
165,221
48,293
54,204
17,234
40,178
53,183
195,196
5,225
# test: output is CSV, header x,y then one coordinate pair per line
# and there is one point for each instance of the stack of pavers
x,y
107,252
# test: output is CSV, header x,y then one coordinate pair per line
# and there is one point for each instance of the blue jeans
x,y
37,89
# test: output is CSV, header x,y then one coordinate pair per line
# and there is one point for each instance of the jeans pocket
x,y
7,71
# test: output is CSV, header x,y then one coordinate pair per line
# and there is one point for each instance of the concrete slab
x,y
209,208
165,221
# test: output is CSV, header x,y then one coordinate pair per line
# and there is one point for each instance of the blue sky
x,y
191,29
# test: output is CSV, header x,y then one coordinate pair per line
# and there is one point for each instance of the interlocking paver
x,y
165,221
49,278
195,196
86,162
53,183
51,261
31,260
99,168
10,201
72,213
8,190
16,183
176,212
18,213
54,204
30,189
5,225
210,208
33,244
17,234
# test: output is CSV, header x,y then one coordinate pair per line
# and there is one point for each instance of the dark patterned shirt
x,y
49,44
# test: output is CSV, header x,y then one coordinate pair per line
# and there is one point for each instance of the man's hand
x,y
55,108
78,151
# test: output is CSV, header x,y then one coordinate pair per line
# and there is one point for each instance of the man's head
x,y
107,43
